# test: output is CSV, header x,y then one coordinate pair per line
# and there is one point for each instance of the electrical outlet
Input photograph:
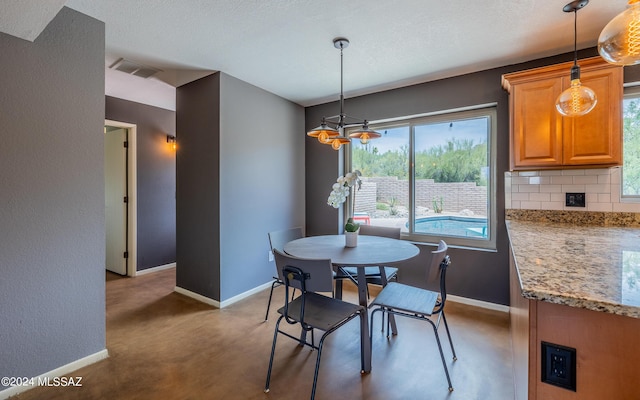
x,y
270,255
559,365
574,200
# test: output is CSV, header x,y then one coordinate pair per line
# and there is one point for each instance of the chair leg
x,y
338,290
446,326
382,311
315,374
273,285
388,321
444,364
273,352
363,326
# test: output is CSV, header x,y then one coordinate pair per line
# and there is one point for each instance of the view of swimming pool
x,y
452,225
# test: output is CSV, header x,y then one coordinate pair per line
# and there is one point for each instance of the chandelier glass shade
x,y
577,100
364,134
619,41
324,132
334,135
338,141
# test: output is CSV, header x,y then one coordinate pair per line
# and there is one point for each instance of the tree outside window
x,y
430,176
631,146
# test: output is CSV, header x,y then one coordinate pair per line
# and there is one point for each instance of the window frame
x,y
488,110
631,91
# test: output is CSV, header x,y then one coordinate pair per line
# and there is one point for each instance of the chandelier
x,y
331,129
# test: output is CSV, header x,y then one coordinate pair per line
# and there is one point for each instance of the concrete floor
x,y
163,345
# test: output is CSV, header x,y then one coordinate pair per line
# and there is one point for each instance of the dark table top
x,y
371,250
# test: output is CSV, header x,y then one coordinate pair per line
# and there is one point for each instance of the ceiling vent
x,y
133,68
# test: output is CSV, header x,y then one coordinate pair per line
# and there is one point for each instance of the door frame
x,y
132,201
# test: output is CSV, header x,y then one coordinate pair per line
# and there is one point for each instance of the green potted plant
x,y
351,229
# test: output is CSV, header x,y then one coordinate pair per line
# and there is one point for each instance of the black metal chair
x,y
422,304
277,240
372,273
311,309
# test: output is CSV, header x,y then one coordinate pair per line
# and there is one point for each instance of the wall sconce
x,y
171,140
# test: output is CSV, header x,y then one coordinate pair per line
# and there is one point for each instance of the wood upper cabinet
x,y
541,138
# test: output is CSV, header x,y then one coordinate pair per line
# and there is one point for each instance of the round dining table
x,y
370,251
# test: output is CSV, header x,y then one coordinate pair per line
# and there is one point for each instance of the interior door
x,y
115,177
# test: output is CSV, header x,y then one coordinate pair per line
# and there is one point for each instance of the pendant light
x,y
365,134
619,41
327,134
324,132
577,99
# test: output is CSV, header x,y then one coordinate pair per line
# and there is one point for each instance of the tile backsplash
x,y
546,190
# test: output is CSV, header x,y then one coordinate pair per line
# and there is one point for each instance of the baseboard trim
x,y
455,299
478,303
197,296
217,304
155,269
66,369
246,294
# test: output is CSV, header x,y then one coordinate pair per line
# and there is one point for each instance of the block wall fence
x,y
455,196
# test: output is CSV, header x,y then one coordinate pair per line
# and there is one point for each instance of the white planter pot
x,y
351,238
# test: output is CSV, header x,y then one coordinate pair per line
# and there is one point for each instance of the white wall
x,y
150,91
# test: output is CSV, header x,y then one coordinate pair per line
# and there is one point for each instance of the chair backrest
x,y
384,231
433,272
320,272
438,269
277,239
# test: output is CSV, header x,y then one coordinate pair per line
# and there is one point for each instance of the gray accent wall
x,y
261,180
197,187
156,179
475,274
240,174
52,230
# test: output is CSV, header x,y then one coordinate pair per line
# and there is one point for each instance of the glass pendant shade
x,y
619,41
365,134
576,100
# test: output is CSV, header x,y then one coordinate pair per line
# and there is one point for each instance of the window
x,y
432,175
630,185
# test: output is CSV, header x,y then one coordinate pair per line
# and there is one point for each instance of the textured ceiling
x,y
285,46
26,19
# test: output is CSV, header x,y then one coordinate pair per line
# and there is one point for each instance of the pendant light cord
x,y
341,122
575,36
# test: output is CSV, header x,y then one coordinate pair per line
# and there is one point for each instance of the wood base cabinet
x,y
607,349
541,138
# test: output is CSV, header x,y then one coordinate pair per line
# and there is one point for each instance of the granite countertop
x,y
592,267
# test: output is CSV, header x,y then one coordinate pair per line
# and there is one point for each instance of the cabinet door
x,y
595,138
536,131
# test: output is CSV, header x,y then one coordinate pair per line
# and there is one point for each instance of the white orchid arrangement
x,y
342,188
